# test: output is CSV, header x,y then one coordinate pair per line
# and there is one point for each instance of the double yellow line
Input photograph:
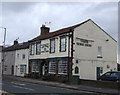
x,y
2,92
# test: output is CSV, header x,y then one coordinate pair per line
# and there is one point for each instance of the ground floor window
x,y
52,67
22,68
5,68
62,67
35,67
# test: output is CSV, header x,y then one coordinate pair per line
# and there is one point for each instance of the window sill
x,y
51,73
62,73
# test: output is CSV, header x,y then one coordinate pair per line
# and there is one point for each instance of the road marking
x,y
3,91
17,83
23,88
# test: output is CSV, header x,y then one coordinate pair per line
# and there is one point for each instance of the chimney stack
x,y
15,42
44,30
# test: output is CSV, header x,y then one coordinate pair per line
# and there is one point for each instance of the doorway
x,y
12,70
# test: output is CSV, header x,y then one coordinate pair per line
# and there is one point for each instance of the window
x,y
62,67
32,49
5,68
99,52
52,46
52,67
23,56
108,74
38,48
76,61
76,70
35,67
62,44
17,55
114,74
22,68
5,57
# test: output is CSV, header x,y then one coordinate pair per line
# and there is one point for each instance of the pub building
x,y
83,50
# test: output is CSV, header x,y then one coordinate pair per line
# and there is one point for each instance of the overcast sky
x,y
23,20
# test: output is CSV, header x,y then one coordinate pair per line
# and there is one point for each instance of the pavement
x,y
62,85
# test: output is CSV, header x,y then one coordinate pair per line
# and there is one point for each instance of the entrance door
x,y
98,72
43,70
12,70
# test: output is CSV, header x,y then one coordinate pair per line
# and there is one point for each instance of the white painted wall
x,y
51,55
20,61
9,61
87,56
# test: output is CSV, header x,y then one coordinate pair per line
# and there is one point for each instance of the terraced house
x,y
84,50
16,59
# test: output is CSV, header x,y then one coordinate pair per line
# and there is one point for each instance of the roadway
x,y
17,87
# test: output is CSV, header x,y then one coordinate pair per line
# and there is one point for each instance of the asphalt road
x,y
16,87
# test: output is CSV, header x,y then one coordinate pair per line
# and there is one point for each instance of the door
x,y
43,70
98,72
12,70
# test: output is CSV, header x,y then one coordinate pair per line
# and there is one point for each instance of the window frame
x,y
35,64
76,70
51,46
23,56
24,68
37,48
63,37
99,52
63,61
54,62
33,49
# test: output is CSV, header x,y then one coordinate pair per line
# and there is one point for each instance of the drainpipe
x,y
69,71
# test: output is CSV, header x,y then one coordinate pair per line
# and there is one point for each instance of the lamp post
x,y
3,47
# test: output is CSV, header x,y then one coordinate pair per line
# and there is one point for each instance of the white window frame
x,y
32,49
51,66
38,48
62,45
24,68
52,45
36,67
99,51
60,65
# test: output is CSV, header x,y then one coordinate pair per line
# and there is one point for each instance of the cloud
x,y
23,20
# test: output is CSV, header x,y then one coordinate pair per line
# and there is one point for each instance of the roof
x,y
55,33
64,30
18,46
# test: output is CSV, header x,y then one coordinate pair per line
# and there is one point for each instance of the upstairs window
x,y
38,48
23,56
62,44
52,46
32,49
99,52
18,56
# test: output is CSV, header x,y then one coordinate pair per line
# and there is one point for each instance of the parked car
x,y
110,76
